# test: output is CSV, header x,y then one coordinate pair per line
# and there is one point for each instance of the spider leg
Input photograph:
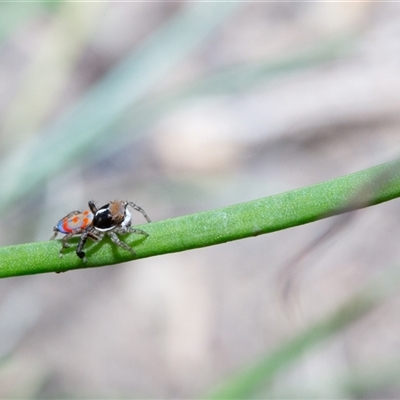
x,y
140,209
138,231
85,235
129,229
79,249
64,243
115,239
92,206
95,236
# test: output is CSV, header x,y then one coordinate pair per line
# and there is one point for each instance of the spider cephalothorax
x,y
110,216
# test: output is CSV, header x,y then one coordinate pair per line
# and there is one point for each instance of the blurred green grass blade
x,y
269,214
56,55
248,384
249,75
222,82
14,15
72,135
365,380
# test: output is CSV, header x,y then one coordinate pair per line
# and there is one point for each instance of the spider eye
x,y
103,219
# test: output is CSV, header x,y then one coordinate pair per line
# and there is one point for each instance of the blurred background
x,y
184,107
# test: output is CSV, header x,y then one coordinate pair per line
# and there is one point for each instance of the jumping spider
x,y
112,219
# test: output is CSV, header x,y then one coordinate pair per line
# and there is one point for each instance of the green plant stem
x,y
368,187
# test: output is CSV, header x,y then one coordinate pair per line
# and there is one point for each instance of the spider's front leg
x,y
140,209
